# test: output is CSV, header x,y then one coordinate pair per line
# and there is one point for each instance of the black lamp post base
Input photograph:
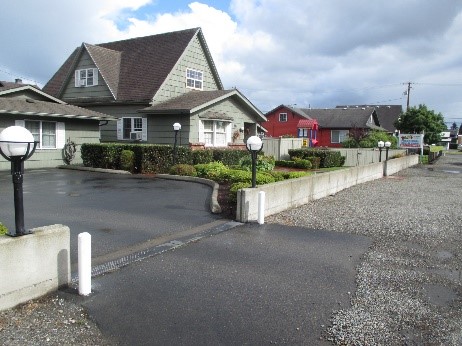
x,y
19,233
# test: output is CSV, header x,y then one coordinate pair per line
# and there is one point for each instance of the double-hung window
x,y
86,77
44,132
194,79
215,133
282,117
132,128
338,136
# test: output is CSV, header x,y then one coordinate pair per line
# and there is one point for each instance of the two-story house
x,y
149,83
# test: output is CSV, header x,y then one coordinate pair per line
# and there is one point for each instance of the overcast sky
x,y
316,53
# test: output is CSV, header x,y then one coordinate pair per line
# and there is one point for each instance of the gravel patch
x,y
50,320
409,283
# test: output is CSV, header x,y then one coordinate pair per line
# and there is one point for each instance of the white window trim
x,y
283,119
194,79
60,133
144,128
214,143
342,135
83,83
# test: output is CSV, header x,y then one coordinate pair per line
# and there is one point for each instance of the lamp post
x,y
17,145
387,147
176,128
380,144
254,145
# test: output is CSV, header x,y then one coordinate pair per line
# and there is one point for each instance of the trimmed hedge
x,y
229,157
328,158
153,158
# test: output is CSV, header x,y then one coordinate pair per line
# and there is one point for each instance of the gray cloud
x,y
319,53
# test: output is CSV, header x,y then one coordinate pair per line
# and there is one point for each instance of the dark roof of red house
x,y
387,114
133,69
344,118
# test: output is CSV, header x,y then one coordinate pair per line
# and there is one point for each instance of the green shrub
x,y
3,229
278,176
183,169
328,158
234,188
212,170
264,163
263,178
201,156
229,156
235,176
315,162
127,160
302,163
294,175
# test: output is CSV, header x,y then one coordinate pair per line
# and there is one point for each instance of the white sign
x,y
410,140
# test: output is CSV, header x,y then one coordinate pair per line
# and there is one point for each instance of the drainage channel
x,y
111,262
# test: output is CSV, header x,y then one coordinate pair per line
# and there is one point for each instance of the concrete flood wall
x,y
34,265
292,193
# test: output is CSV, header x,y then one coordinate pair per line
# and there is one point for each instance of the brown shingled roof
x,y
186,102
144,64
49,109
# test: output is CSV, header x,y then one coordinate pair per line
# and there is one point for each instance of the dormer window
x,y
86,77
194,79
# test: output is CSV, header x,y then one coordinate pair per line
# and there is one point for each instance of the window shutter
x,y
144,134
77,78
21,123
60,135
95,76
201,132
120,129
228,133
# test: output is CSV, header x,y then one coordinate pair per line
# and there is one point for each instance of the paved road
x,y
250,285
117,210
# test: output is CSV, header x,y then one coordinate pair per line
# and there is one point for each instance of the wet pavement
x,y
253,284
117,210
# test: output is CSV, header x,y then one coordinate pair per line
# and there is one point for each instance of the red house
x,y
294,122
325,127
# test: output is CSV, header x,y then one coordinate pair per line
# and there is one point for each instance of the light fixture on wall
x,y
17,145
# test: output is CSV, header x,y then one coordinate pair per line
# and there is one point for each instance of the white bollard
x,y
84,252
261,207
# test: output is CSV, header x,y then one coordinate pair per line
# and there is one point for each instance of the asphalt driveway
x,y
117,210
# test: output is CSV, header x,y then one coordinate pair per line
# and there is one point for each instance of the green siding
x,y
78,130
109,131
175,84
99,91
228,107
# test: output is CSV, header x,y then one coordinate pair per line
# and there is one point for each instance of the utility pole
x,y
408,93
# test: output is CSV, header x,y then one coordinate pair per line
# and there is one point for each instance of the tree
x,y
369,140
454,126
418,119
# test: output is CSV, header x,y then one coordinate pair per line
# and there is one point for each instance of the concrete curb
x,y
91,169
214,206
